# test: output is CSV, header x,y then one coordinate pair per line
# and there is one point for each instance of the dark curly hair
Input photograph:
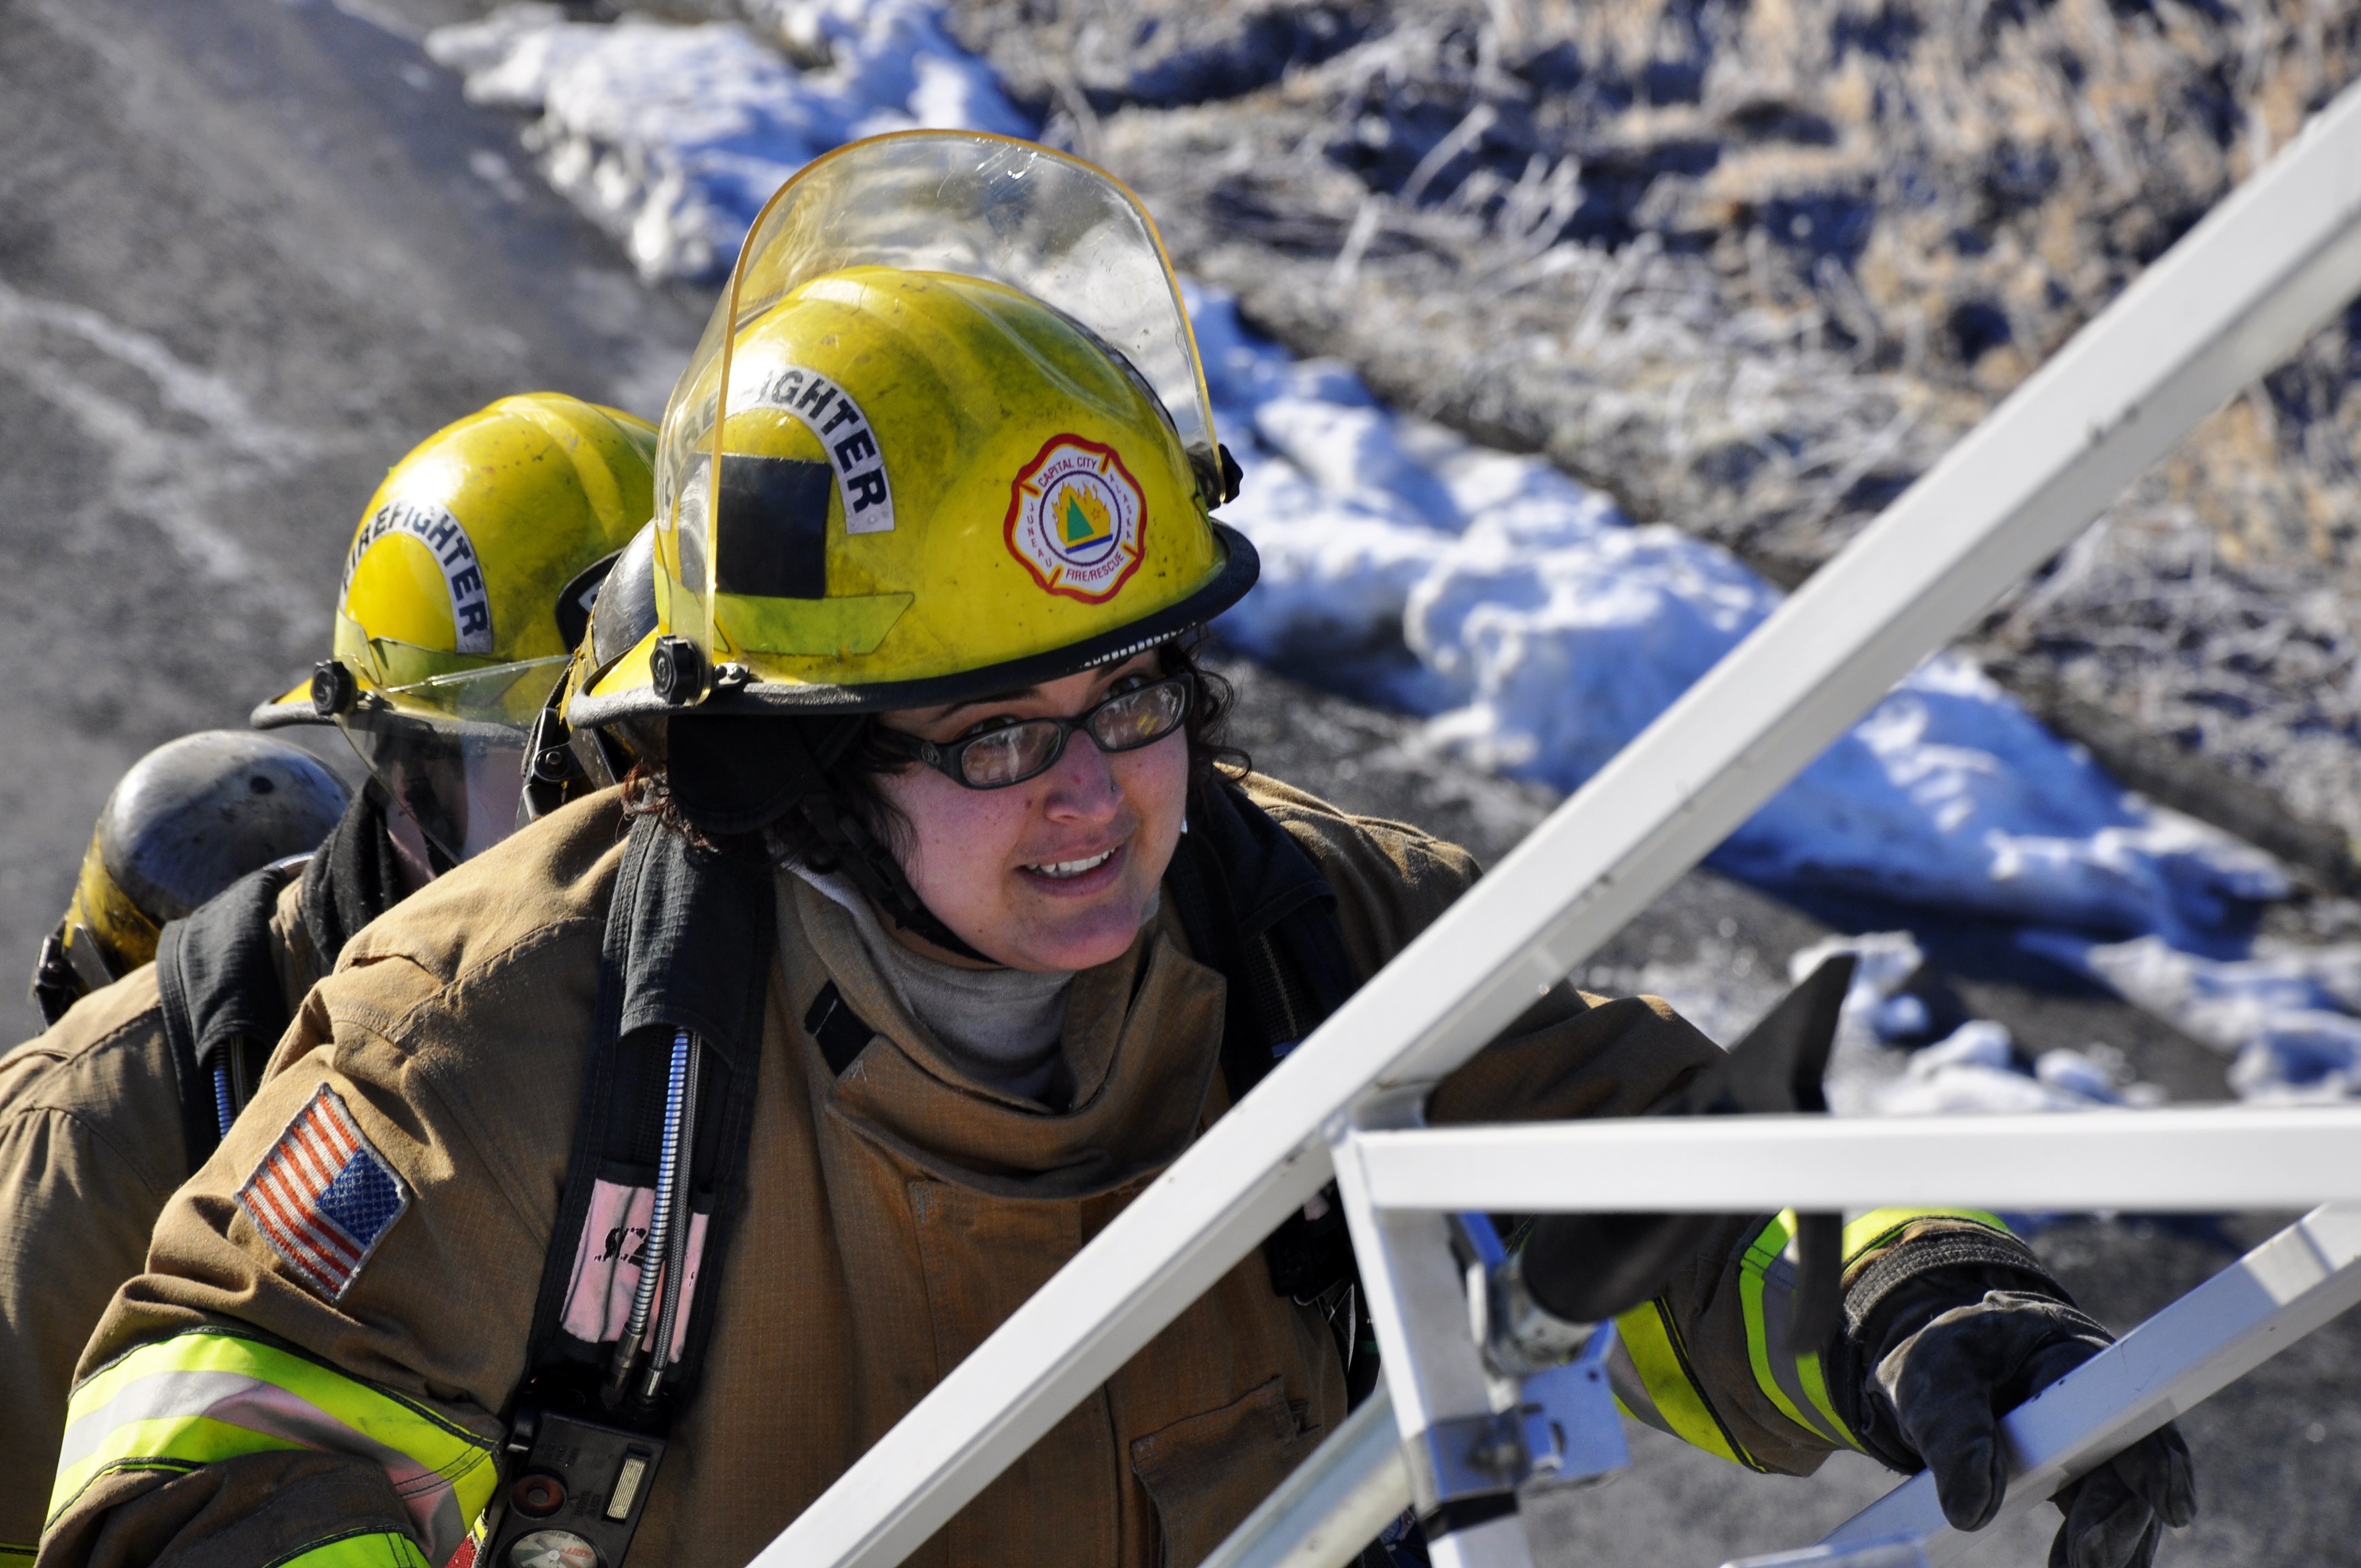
x,y
864,757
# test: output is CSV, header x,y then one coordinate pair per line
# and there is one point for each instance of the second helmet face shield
x,y
450,750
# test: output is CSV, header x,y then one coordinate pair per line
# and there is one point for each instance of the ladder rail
x,y
2177,1161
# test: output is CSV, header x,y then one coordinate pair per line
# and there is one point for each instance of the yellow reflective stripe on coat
x,y
211,1394
16,1556
1767,1289
377,1548
1654,1384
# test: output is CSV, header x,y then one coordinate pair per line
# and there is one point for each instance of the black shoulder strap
x,y
56,984
221,989
352,876
1255,907
689,946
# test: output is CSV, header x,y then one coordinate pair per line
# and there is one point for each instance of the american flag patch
x,y
322,1196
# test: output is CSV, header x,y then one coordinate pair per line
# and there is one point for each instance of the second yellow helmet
x,y
465,589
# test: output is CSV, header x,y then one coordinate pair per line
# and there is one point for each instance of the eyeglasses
x,y
1029,747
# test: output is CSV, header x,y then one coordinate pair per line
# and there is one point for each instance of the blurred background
x,y
1558,342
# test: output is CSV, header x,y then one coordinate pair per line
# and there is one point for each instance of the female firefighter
x,y
629,1181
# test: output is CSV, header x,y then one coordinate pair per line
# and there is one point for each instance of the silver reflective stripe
x,y
1778,1307
280,1419
161,1396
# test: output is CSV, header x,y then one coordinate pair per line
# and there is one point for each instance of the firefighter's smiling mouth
x,y
1062,871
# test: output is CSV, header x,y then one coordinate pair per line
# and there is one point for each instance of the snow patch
x,y
673,137
2285,1014
1975,1069
1549,632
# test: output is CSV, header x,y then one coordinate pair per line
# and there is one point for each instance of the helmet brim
x,y
632,696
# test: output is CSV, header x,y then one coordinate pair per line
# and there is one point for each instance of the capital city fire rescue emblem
x,y
1075,518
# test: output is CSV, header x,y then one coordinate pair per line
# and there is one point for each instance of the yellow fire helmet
x,y
946,433
467,585
188,819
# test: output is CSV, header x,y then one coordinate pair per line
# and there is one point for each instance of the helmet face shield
x,y
981,206
450,750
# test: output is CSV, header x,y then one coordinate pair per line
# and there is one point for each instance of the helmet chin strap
x,y
870,864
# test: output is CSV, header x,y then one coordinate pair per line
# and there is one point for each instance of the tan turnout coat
x,y
895,1216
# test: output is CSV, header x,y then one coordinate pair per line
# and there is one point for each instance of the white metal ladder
x,y
2237,295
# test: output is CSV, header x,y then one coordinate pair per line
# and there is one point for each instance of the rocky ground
x,y
1752,268
250,252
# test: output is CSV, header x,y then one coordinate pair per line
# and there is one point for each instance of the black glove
x,y
1947,1384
